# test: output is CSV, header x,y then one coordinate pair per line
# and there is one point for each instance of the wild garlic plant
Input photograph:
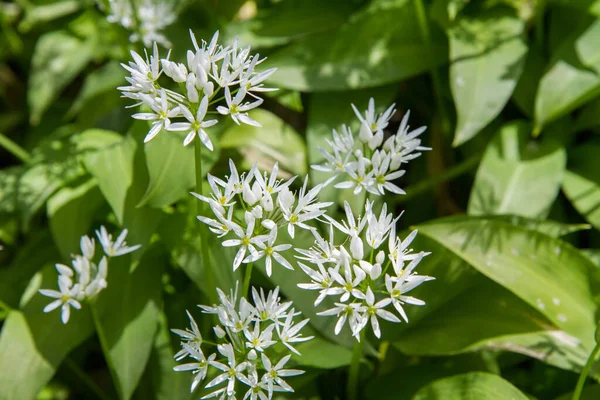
x,y
248,351
371,162
85,279
213,73
146,19
251,207
369,272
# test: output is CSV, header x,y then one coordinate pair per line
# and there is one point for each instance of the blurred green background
x,y
508,200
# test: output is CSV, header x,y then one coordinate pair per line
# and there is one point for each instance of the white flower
x,y
257,339
275,373
245,239
404,285
196,124
191,337
346,312
199,368
382,179
269,308
270,251
231,371
320,280
237,110
161,116
290,332
373,310
373,122
65,298
118,247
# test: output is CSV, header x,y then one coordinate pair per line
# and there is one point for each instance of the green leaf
x,y
71,211
37,251
471,386
33,343
590,6
568,83
547,273
590,392
527,86
274,142
582,184
171,169
57,58
547,227
113,169
129,315
488,55
379,45
321,353
284,22
47,12
481,313
517,176
104,80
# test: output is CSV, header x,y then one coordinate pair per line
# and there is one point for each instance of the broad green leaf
x,y
547,227
274,142
33,343
71,211
128,314
590,392
160,381
105,79
171,169
553,347
488,54
379,45
471,386
328,111
113,169
57,58
568,83
517,176
95,139
37,251
582,183
547,273
321,353
590,6
484,312
527,85
42,13
284,22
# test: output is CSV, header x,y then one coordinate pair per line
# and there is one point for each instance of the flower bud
x,y
365,133
252,355
192,92
356,248
268,223
267,202
219,332
257,212
87,247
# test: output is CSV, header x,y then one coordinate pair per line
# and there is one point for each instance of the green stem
x,y
449,174
435,76
585,372
352,384
204,237
14,148
104,344
72,365
247,277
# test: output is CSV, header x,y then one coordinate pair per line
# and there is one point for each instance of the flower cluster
x,y
363,281
86,278
252,206
210,69
248,336
372,163
146,21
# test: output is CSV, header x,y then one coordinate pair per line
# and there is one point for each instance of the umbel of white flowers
x,y
210,69
370,162
370,271
85,279
267,204
247,351
144,18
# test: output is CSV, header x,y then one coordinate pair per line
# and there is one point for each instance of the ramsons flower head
x,y
214,80
246,358
371,162
250,208
369,273
85,279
